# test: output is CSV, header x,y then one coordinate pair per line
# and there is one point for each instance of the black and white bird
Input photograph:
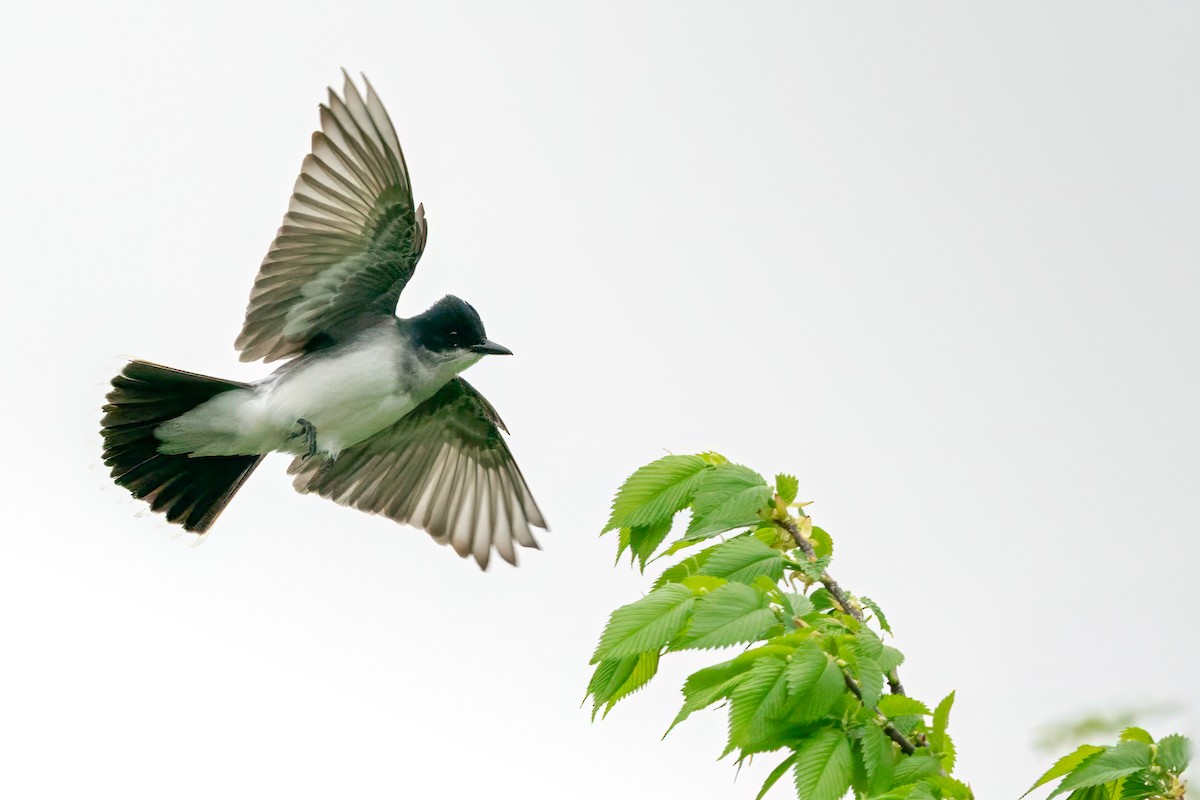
x,y
371,405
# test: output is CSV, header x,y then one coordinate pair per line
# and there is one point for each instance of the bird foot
x,y
310,436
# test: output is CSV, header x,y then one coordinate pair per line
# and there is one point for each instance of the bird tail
x,y
191,491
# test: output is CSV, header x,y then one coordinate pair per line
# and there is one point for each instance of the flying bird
x,y
371,405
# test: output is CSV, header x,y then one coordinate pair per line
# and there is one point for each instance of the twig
x,y
896,736
843,600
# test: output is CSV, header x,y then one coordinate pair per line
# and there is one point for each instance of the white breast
x,y
347,397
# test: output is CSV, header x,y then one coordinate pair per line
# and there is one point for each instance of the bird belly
x,y
347,398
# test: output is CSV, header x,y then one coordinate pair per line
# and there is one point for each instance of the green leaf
x,y
775,775
879,616
1066,764
610,675
622,544
786,487
645,539
950,787
890,658
815,683
743,559
823,766
1124,759
1136,734
646,624
707,686
915,767
870,681
898,705
1139,786
727,497
878,757
686,568
757,703
644,669
866,643
938,739
797,604
656,492
821,599
813,571
822,542
701,584
730,614
1174,753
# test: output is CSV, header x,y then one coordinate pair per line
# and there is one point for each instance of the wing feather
x,y
350,239
444,468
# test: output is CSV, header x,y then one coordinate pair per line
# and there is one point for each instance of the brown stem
x,y
829,583
896,736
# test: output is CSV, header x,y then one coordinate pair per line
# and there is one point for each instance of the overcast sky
x,y
938,259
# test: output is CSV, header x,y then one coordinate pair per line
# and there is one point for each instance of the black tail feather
x,y
190,491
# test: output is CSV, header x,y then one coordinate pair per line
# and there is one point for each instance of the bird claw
x,y
310,435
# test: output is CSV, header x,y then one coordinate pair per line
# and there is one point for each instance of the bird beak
x,y
489,348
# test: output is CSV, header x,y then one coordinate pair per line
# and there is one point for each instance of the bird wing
x,y
351,237
444,468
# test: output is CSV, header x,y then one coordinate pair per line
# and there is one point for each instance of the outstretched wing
x,y
444,468
351,237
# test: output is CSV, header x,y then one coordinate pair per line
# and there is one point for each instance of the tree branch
x,y
896,736
789,525
827,580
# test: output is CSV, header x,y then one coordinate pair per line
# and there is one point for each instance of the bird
x,y
370,405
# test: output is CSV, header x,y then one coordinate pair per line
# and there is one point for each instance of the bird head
x,y
451,330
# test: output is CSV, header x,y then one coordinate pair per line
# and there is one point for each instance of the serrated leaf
x,y
608,678
647,624
786,486
1174,753
890,658
706,686
756,703
866,643
1136,734
727,497
622,544
870,681
775,775
950,788
656,491
702,584
879,615
644,669
815,683
686,568
743,559
645,539
822,542
879,758
913,768
1139,786
821,599
813,571
938,739
1065,764
822,766
898,705
1110,764
797,605
730,614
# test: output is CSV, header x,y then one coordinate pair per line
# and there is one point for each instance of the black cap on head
x,y
452,324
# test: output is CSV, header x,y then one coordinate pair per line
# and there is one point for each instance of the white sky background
x,y
940,260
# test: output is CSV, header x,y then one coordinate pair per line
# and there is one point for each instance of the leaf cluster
x,y
809,680
1135,768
